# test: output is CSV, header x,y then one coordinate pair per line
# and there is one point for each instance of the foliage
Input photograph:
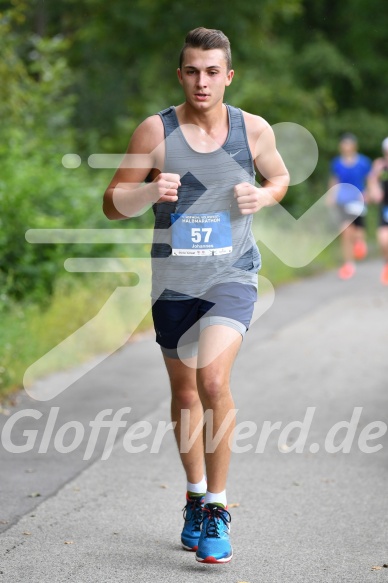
x,y
36,191
79,76
310,63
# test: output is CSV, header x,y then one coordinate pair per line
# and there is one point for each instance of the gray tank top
x,y
207,182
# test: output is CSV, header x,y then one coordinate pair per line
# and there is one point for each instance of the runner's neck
x,y
350,160
215,123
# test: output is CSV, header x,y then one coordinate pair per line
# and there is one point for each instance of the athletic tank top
x,y
207,182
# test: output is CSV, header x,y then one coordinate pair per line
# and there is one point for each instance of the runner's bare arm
x,y
331,196
333,181
127,194
374,190
269,164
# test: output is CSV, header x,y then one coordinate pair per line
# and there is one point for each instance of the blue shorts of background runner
x,y
228,304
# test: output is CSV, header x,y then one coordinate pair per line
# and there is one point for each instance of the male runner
x,y
350,167
200,177
378,191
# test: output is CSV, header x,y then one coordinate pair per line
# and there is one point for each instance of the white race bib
x,y
356,208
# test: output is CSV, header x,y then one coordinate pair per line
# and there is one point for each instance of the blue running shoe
x,y
192,513
214,544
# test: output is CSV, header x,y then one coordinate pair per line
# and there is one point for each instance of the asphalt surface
x,y
313,516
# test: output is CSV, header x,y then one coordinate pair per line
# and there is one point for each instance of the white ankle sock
x,y
212,498
199,488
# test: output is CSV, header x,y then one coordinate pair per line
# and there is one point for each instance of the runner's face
x,y
348,147
204,77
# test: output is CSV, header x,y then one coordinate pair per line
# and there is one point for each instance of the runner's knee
x,y
212,387
185,397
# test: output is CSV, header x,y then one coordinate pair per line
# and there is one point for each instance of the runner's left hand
x,y
248,198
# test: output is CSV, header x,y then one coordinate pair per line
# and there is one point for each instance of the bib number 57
x,y
197,233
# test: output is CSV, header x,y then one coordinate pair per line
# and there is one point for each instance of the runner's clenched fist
x,y
166,187
248,198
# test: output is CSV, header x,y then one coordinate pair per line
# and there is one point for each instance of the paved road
x,y
314,516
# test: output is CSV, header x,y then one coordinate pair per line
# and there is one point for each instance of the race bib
x,y
201,234
356,208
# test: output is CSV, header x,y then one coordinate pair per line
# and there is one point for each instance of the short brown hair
x,y
207,39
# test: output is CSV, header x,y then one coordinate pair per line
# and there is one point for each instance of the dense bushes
x,y
36,191
79,78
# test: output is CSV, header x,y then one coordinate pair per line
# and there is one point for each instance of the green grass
x,y
279,273
29,331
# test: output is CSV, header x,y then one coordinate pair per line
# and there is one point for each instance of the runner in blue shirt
x,y
350,167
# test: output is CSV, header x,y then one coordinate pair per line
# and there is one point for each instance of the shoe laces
x,y
193,511
215,514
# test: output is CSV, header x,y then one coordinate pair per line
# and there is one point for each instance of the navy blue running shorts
x,y
228,304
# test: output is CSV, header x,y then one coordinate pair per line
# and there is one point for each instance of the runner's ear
x,y
229,77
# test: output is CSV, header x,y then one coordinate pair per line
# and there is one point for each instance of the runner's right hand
x,y
166,187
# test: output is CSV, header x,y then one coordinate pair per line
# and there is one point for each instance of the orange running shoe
x,y
346,271
384,275
360,250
